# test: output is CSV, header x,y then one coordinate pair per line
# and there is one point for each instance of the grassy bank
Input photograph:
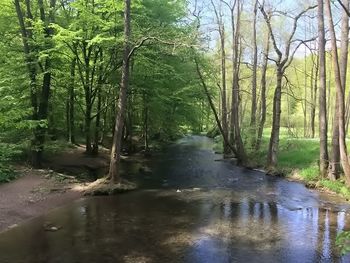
x,y
298,159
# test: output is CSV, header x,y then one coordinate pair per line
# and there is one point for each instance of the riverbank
x,y
297,161
33,193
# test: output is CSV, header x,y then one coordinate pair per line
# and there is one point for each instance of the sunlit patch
x,y
136,258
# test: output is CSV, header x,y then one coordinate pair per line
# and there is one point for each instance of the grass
x,y
336,186
297,158
309,174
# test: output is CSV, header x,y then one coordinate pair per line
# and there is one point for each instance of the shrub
x,y
8,153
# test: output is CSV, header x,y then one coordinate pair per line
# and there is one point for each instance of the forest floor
x,y
33,194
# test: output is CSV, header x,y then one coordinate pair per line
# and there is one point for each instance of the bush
x,y
7,174
8,153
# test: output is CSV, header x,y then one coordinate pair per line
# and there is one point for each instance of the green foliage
x,y
343,241
8,153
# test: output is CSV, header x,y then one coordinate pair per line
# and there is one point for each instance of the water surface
x,y
192,208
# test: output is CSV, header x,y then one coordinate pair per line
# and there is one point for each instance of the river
x,y
192,207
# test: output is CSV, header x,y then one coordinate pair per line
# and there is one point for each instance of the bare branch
x,y
344,7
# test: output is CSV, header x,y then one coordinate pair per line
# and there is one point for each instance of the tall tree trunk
x,y
314,89
212,106
305,97
97,121
276,120
336,155
263,92
70,105
223,87
39,98
221,28
254,77
129,125
88,136
241,155
124,84
145,123
282,63
339,91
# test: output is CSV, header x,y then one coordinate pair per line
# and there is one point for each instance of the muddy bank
x,y
36,192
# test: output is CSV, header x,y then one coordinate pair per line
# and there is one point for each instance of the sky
x,y
307,26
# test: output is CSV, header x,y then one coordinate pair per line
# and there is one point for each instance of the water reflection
x,y
153,226
266,232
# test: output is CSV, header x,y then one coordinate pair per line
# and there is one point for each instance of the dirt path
x,y
35,193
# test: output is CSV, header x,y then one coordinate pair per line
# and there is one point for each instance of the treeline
x,y
281,67
106,72
86,70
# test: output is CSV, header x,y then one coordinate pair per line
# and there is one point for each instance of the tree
x,y
124,84
235,124
283,61
334,164
339,93
38,60
323,125
221,29
254,77
263,91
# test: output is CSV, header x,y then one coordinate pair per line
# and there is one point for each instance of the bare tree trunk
x,y
347,114
340,92
212,106
276,120
124,84
314,89
305,97
263,92
221,29
282,62
334,166
254,77
235,103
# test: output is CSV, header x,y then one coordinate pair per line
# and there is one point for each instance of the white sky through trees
x,y
282,22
